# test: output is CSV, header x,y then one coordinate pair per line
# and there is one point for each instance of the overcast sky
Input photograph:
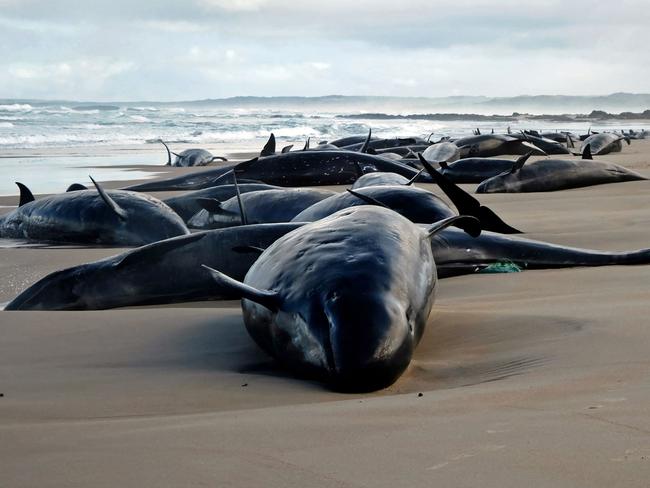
x,y
192,49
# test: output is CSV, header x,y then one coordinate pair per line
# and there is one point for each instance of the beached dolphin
x,y
314,168
548,146
187,205
162,272
191,157
258,207
157,273
345,299
604,143
108,217
557,174
488,145
193,181
475,170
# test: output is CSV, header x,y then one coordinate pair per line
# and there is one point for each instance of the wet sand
x,y
537,378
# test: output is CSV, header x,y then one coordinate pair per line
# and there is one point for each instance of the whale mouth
x,y
369,343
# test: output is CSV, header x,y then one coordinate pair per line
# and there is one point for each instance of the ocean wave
x,y
143,109
16,107
5,125
139,118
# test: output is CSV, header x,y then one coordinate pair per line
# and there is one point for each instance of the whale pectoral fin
x,y
464,202
221,177
412,180
367,199
242,212
266,298
286,149
306,144
112,204
586,152
157,250
76,187
569,142
269,147
219,158
248,249
242,167
26,195
467,204
533,147
364,148
469,224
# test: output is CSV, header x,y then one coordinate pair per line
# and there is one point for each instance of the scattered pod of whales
x,y
335,285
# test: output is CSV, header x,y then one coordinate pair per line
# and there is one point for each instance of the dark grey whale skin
x,y
83,217
456,253
475,170
158,273
557,174
605,143
194,181
316,168
345,299
417,205
163,272
187,204
261,207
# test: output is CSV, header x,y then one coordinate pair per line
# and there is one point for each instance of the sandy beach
x,y
537,378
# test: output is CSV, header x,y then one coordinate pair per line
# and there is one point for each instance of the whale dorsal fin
x,y
469,224
364,148
269,147
242,212
569,141
76,187
306,144
169,155
467,204
586,152
367,199
26,195
112,204
157,250
286,149
267,298
519,163
412,180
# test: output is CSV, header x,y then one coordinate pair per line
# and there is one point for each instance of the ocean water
x,y
66,127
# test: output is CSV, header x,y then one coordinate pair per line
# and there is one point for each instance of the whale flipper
x,y
417,175
26,195
586,152
519,163
367,199
467,204
112,204
306,144
469,224
266,298
242,167
242,212
269,147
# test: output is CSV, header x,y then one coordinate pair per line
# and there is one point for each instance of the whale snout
x,y
371,342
